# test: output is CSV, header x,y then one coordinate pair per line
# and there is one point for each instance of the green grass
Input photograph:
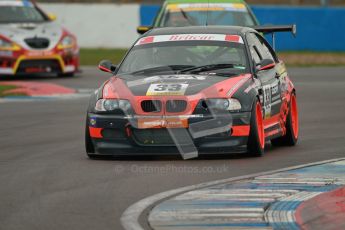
x,y
94,56
309,58
312,52
4,88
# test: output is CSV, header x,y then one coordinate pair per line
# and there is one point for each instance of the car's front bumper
x,y
38,64
114,135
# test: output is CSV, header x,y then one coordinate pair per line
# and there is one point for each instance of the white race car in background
x,y
32,43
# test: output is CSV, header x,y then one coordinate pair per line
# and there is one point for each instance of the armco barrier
x,y
319,29
98,25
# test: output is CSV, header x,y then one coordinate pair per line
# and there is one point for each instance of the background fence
x,y
271,2
114,25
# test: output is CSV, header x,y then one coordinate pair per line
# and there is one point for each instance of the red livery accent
x,y
146,40
96,132
329,208
274,120
240,131
232,38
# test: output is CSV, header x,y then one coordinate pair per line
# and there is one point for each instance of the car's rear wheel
x,y
90,149
292,126
256,141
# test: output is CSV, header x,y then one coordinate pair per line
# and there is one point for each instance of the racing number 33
x,y
167,89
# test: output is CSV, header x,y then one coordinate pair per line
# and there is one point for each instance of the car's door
x,y
269,79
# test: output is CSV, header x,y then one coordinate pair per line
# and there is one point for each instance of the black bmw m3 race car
x,y
190,90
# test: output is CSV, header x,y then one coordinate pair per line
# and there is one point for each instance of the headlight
x,y
8,46
108,105
67,42
234,105
224,104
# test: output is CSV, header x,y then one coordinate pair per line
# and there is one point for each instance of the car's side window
x,y
253,42
266,48
255,55
264,52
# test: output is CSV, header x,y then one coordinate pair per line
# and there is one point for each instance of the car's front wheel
x,y
292,126
256,141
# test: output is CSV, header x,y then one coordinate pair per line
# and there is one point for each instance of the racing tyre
x,y
90,149
292,126
256,141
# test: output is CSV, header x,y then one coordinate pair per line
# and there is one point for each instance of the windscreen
x,y
20,14
179,15
179,52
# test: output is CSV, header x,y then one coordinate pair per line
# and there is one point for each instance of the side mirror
x,y
107,66
265,64
52,17
143,29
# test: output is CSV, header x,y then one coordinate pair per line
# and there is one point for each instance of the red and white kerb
x,y
190,37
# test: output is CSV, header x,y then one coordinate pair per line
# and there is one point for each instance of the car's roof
x,y
235,30
203,1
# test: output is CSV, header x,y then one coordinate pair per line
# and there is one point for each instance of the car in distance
x,y
32,43
210,89
177,13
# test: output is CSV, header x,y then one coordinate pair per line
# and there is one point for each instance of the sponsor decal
x,y
164,117
190,37
270,98
207,7
267,100
162,123
39,53
276,98
167,89
183,77
167,78
38,70
275,89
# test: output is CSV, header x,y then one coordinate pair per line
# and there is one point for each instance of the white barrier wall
x,y
98,25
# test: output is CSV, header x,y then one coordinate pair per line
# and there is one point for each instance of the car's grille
x,y
113,134
43,66
176,106
158,137
37,43
151,106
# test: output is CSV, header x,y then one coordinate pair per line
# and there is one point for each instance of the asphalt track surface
x,y
47,182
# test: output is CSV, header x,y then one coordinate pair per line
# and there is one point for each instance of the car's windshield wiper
x,y
185,15
162,68
204,68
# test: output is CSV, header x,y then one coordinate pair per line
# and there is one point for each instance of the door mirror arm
x,y
265,64
107,66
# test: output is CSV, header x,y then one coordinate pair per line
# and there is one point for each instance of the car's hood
x,y
179,84
20,31
170,85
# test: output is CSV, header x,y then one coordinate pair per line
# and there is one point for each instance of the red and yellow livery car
x,y
32,43
194,90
